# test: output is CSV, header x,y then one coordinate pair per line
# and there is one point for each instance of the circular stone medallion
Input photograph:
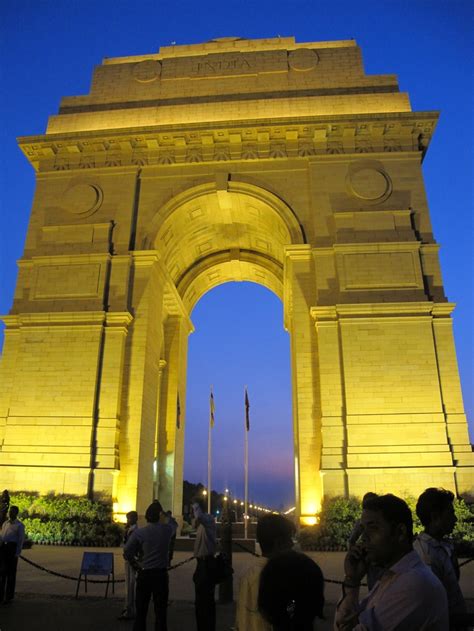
x,y
82,199
146,71
369,184
303,59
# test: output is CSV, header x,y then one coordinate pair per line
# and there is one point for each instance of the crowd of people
x,y
413,582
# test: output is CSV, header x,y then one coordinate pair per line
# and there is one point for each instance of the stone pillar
x,y
8,369
456,422
399,421
299,294
50,408
170,436
141,378
107,430
161,369
333,403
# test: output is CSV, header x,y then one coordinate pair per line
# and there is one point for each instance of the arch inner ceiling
x,y
222,236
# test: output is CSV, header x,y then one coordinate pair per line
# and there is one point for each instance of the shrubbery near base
x,y
67,520
338,515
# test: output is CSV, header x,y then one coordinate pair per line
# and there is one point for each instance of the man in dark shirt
x,y
152,577
436,512
204,551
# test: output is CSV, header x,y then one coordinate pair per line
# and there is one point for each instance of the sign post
x,y
97,564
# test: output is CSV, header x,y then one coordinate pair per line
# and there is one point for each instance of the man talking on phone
x,y
407,596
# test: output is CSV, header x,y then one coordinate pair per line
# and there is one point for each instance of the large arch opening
x,y
210,237
239,341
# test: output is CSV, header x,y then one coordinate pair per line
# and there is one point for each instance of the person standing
x,y
291,592
172,520
12,537
407,596
4,506
374,572
436,512
129,610
275,535
204,551
152,575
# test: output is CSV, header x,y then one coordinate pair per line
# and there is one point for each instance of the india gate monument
x,y
270,161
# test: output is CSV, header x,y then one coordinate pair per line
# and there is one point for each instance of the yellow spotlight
x,y
120,518
120,510
309,520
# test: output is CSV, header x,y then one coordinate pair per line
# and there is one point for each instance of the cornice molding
x,y
64,318
253,140
112,319
118,319
381,310
386,246
64,259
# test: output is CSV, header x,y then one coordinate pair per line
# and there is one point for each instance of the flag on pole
x,y
178,412
247,407
211,409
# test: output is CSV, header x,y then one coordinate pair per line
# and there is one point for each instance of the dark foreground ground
x,y
45,602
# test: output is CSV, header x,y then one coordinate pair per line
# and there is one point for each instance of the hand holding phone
x,y
355,563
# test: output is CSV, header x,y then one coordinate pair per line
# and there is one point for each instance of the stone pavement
x,y
47,602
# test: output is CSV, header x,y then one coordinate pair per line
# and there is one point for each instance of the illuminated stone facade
x,y
260,160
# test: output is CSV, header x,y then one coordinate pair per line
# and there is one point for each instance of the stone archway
x,y
237,230
206,236
231,159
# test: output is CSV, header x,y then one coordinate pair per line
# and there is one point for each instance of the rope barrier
x,y
53,573
239,545
173,567
90,580
327,580
466,561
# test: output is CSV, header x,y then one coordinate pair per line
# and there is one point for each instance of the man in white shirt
x,y
12,537
128,612
407,596
436,512
153,543
274,534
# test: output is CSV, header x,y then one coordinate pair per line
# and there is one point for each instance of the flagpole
x,y
246,466
209,454
209,450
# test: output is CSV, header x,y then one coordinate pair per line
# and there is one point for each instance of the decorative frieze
x,y
401,132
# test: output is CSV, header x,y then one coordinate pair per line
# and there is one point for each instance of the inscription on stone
x,y
218,66
224,65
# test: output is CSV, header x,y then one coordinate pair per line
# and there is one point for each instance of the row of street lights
x,y
240,505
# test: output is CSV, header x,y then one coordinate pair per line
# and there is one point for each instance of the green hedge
x,y
338,515
61,507
67,520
